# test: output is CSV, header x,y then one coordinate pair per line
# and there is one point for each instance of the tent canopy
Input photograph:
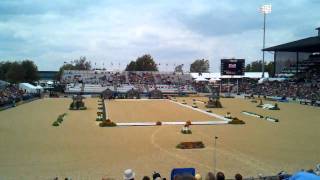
x,y
218,76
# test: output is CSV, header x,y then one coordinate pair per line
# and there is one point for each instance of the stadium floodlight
x,y
265,9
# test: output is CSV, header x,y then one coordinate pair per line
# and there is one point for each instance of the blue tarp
x,y
182,171
304,176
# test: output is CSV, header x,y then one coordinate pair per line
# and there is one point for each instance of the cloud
x,y
173,32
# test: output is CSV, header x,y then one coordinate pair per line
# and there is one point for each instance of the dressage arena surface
x,y
31,148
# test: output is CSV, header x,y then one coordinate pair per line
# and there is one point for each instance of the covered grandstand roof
x,y
310,44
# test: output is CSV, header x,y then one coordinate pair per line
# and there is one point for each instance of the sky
x,y
112,33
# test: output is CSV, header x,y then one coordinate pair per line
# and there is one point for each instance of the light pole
x,y
215,155
265,9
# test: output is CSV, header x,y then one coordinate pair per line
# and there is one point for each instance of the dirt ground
x,y
30,148
151,111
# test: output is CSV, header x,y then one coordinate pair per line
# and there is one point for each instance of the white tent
x,y
3,83
201,79
29,88
216,76
262,80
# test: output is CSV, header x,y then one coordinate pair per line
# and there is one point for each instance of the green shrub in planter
x,y
82,108
186,130
55,123
99,118
59,120
71,107
276,107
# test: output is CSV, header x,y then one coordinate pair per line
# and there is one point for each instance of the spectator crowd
x,y
288,88
186,174
10,94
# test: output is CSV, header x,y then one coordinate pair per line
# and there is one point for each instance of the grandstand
x,y
297,57
97,81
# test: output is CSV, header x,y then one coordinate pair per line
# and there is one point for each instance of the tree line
x,y
147,63
256,66
78,64
19,71
27,71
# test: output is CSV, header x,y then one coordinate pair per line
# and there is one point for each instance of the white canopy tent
x,y
218,76
201,79
3,83
29,88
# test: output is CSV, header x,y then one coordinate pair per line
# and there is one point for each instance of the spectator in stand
x,y
238,177
128,174
210,176
146,178
220,176
10,94
156,176
198,176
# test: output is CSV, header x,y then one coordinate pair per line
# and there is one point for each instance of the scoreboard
x,y
232,67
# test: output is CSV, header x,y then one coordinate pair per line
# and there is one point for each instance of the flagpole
x,y
215,155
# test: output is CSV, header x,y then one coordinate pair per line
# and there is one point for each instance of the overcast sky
x,y
51,32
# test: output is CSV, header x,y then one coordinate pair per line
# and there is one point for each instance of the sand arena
x,y
31,148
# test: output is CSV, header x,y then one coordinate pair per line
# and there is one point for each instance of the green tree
x,y
143,63
270,68
131,66
82,63
31,71
146,63
179,68
4,68
256,66
15,73
248,67
79,64
200,66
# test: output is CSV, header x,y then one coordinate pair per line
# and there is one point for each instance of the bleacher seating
x,y
97,81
